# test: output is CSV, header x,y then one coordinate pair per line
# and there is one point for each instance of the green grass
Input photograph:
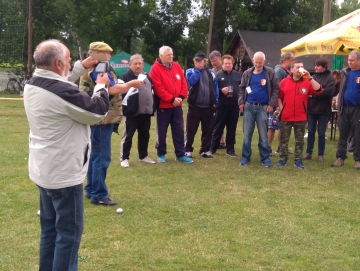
x,y
209,215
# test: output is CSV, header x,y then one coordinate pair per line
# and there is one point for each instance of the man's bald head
x,y
47,52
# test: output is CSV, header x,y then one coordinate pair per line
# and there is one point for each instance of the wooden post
x,y
210,26
29,68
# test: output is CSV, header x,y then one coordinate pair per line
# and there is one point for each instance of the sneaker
x,y
306,135
299,163
213,151
105,202
147,160
184,159
281,163
357,164
206,155
231,153
277,150
267,163
222,146
338,163
321,158
188,154
244,162
326,138
125,163
307,156
161,159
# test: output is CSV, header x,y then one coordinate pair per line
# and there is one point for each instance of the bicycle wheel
x,y
13,86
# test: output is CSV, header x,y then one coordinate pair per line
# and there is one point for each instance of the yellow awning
x,y
339,37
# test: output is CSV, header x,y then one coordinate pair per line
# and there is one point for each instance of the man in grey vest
x,y
142,121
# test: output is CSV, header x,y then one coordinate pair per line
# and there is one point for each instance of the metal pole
x,y
29,69
210,26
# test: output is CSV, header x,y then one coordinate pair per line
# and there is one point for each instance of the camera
x,y
101,67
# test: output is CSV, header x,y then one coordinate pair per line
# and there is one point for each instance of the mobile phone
x,y
101,67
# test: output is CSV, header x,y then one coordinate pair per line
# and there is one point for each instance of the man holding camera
x,y
96,189
59,116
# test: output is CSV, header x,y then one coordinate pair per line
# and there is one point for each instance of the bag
x,y
131,105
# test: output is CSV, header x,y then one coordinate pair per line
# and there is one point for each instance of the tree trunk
x,y
218,31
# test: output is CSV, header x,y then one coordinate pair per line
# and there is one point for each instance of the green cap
x,y
100,46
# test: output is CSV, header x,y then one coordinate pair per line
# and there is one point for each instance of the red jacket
x,y
294,96
168,83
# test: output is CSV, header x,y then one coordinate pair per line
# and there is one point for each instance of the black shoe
x,y
222,146
106,202
231,153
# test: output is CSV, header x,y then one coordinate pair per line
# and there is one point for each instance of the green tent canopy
x,y
120,63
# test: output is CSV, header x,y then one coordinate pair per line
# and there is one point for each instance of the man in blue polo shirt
x,y
258,96
349,109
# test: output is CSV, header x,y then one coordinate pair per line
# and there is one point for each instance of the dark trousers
x,y
142,124
174,117
225,116
194,117
349,124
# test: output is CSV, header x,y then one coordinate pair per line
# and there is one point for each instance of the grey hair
x,y
214,54
259,54
136,56
285,56
163,49
357,53
47,52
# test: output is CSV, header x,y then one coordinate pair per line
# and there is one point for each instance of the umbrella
x,y
339,37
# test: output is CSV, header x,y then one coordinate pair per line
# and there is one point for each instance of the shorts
x,y
273,122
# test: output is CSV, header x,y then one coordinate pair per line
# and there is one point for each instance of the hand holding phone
x,y
101,67
102,78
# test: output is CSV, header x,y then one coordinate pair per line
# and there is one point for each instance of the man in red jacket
x,y
293,100
171,88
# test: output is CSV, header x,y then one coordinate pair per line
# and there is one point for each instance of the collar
x,y
168,67
51,75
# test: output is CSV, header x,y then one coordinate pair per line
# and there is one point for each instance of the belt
x,y
350,105
258,104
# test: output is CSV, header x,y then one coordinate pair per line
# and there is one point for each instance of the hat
x,y
200,56
100,46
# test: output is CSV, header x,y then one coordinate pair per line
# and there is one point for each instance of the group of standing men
x,y
63,148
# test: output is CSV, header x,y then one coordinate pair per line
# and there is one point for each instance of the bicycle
x,y
15,85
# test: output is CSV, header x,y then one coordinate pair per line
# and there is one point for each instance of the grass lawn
x,y
209,215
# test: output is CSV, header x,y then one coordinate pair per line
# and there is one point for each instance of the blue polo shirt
x,y
352,88
258,92
94,75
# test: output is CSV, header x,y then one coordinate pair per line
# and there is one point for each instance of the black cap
x,y
200,56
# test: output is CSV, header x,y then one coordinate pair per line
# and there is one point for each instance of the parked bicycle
x,y
15,85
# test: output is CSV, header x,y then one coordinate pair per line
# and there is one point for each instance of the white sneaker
x,y
147,160
188,154
125,163
306,135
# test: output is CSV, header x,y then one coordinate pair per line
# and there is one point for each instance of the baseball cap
x,y
200,56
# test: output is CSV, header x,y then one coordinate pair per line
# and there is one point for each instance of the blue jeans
x,y
62,224
100,159
258,114
321,120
